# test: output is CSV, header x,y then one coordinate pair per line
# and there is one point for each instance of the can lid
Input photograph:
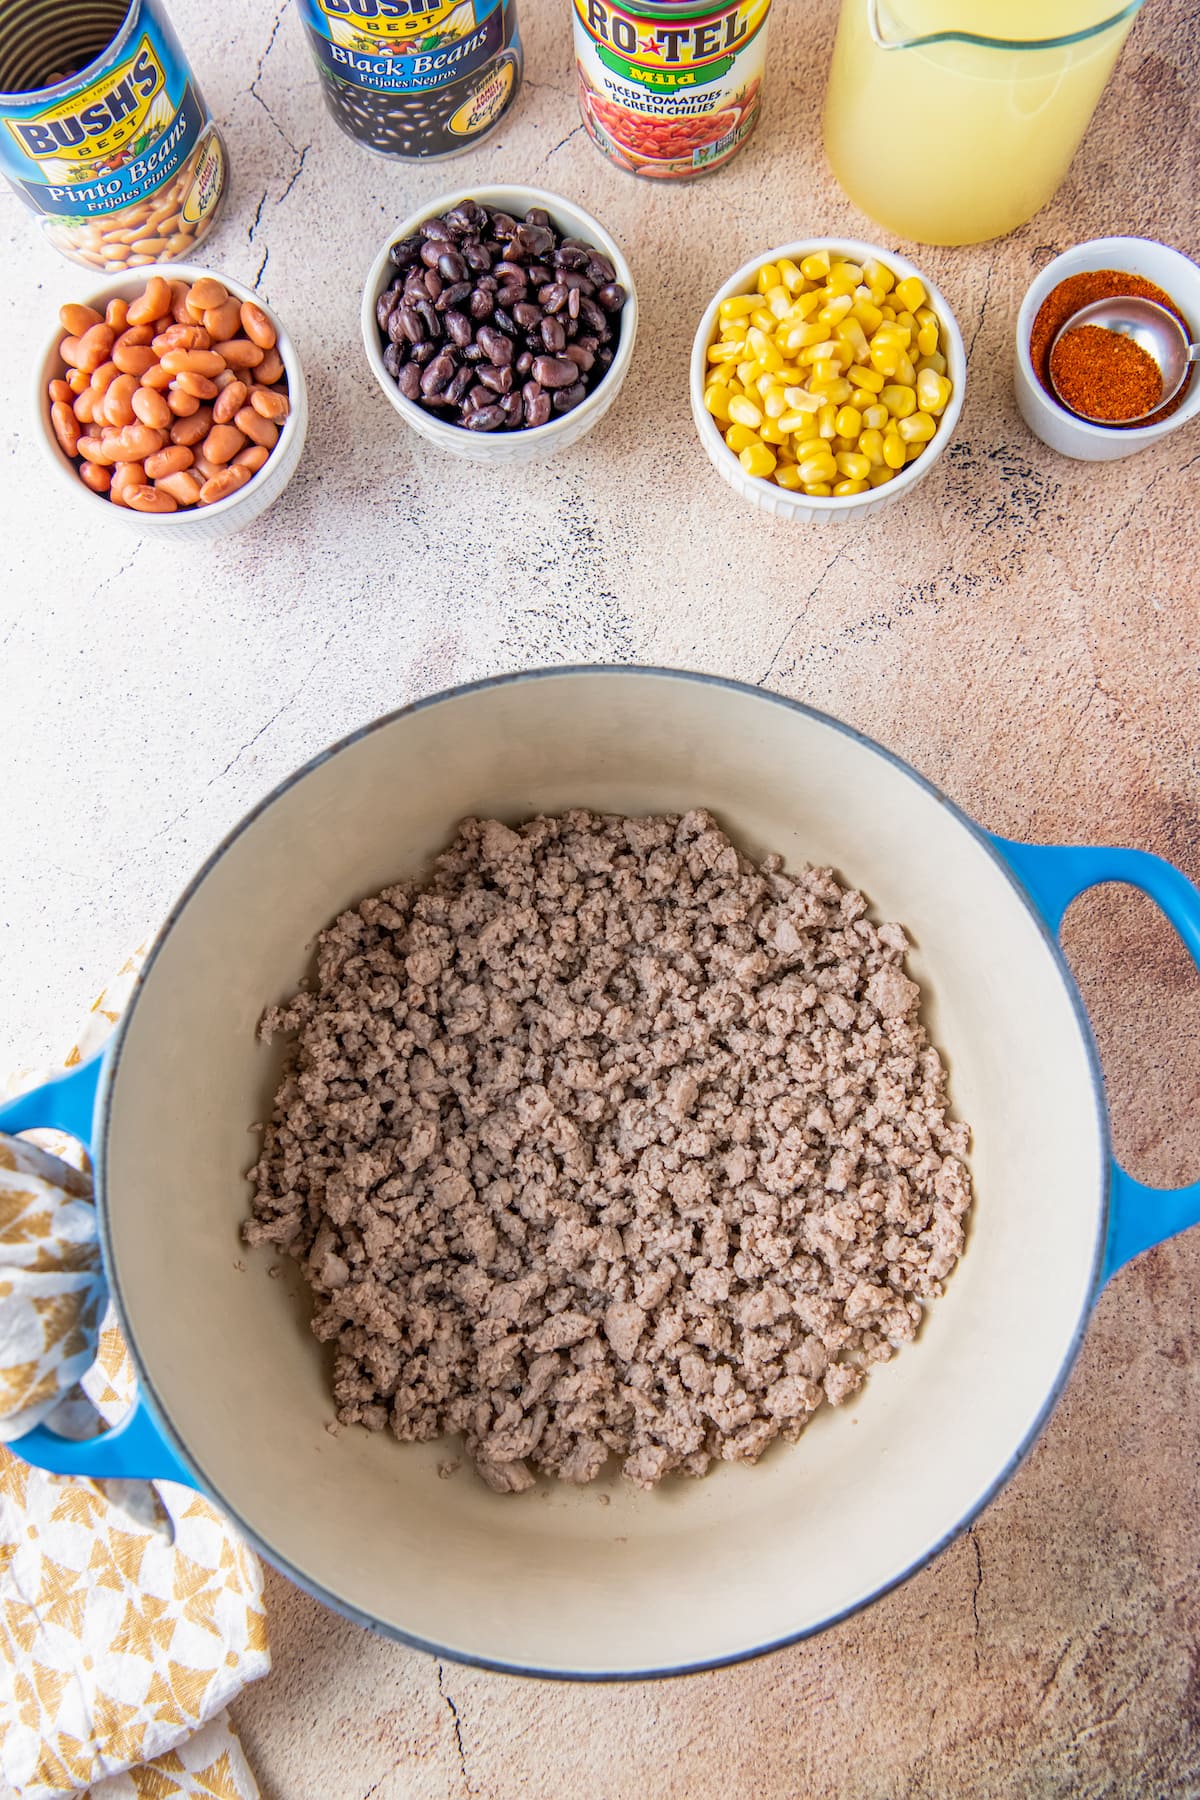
x,y
675,9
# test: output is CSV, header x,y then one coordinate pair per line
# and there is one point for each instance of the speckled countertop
x,y
1026,631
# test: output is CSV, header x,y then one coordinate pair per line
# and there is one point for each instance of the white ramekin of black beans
x,y
499,322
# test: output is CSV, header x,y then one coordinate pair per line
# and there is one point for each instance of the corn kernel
x,y
851,334
768,277
716,399
720,353
801,337
918,429
789,274
900,401
905,373
885,358
893,449
870,445
936,362
933,391
811,446
927,339
852,465
875,417
913,451
770,433
805,305
774,403
801,399
740,437
788,476
849,422
836,309
757,460
843,488
867,315
794,421
816,266
911,292
837,392
844,277
737,306
820,490
862,377
744,411
877,274
817,468
881,477
827,420
763,319
779,298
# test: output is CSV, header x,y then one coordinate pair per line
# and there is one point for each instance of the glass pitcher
x,y
948,135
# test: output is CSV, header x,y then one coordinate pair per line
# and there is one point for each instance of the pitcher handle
x,y
137,1447
1052,876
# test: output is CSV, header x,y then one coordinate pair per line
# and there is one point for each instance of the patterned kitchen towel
x,y
130,1614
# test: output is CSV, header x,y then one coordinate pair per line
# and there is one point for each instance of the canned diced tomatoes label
x,y
667,95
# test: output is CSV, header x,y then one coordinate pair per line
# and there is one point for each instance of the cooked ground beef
x,y
605,1140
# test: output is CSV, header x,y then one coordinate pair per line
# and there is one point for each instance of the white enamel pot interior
x,y
555,1582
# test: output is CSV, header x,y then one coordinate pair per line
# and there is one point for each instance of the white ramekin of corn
x,y
827,377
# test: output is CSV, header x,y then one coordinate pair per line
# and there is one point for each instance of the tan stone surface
x,y
1027,633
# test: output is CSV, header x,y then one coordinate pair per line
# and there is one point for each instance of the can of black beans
x,y
104,133
421,80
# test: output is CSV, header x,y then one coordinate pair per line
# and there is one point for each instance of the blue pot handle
x,y
1053,875
136,1447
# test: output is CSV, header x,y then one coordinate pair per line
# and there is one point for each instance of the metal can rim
x,y
82,77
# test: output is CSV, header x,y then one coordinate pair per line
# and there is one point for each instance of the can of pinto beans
x,y
669,91
104,133
419,80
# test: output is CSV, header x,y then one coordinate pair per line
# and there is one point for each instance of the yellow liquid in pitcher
x,y
955,143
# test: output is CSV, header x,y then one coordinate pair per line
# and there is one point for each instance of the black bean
x,y
569,397
458,328
467,215
472,353
484,418
476,257
396,328
453,296
513,409
526,314
604,355
506,270
458,384
480,395
387,301
573,299
451,266
572,279
430,251
487,284
499,380
498,347
423,352
599,268
437,373
553,335
571,259
536,216
554,371
538,273
505,320
502,226
583,359
410,324
536,402
510,293
409,381
524,363
553,297
433,284
435,228
433,325
591,315
405,251
393,357
611,296
480,306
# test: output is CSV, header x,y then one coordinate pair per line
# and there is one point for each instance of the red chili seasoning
x,y
1104,376
1064,301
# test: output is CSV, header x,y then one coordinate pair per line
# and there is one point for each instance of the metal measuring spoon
x,y
1152,328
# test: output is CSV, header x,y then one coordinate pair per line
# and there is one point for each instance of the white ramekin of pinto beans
x,y
500,322
175,399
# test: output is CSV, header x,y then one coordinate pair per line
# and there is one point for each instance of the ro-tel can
x,y
669,90
103,131
416,79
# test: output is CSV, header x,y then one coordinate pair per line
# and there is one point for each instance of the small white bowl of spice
x,y
1102,269
827,377
173,399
